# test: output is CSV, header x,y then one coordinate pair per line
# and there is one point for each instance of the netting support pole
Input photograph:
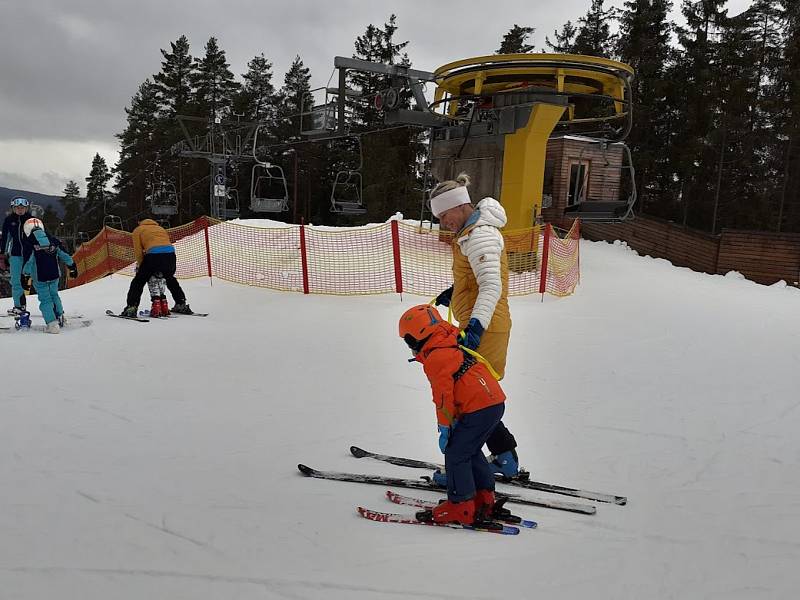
x,y
578,247
208,249
545,257
398,272
304,258
109,266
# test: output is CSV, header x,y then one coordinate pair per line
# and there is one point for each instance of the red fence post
x,y
208,247
398,272
304,258
109,262
545,257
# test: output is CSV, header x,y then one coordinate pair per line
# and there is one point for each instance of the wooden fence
x,y
760,256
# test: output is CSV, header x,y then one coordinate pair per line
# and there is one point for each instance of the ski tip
x,y
357,452
621,500
304,469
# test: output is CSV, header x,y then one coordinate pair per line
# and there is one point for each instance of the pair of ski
x,y
73,322
422,484
111,313
524,481
488,527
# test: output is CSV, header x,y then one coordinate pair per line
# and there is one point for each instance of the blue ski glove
x,y
444,298
470,337
444,437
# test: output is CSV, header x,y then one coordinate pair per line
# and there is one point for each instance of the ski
x,y
194,314
523,483
586,509
383,517
71,324
429,505
111,313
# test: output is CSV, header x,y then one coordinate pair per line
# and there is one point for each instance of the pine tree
x,y
174,82
291,98
594,35
693,153
99,201
257,100
644,43
213,82
139,143
787,119
564,39
514,41
71,201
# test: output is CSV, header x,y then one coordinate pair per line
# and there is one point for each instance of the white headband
x,y
449,199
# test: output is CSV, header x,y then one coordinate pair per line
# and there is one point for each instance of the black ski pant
x,y
500,440
151,265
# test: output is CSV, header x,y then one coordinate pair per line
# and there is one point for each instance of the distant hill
x,y
43,200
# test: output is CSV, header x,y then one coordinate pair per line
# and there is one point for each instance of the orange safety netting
x,y
375,259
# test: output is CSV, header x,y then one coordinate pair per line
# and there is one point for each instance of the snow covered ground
x,y
159,460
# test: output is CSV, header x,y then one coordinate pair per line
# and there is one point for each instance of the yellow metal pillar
x,y
523,166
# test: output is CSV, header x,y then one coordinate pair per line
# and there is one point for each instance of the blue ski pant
x,y
466,466
17,293
49,300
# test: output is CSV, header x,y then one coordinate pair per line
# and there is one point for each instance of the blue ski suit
x,y
11,244
41,255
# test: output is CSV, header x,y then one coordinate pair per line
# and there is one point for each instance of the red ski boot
x,y
155,308
164,306
450,512
488,509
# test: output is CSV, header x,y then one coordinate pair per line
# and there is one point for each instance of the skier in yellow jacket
x,y
479,295
155,255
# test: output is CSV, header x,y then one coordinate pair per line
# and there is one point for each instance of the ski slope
x,y
158,460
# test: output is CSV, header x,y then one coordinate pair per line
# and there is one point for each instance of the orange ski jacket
x,y
459,383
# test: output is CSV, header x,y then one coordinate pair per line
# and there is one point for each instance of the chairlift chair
x,y
268,190
112,221
346,195
605,211
164,199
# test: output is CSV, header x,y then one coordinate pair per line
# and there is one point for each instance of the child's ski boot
x,y
487,508
22,320
155,308
164,306
450,512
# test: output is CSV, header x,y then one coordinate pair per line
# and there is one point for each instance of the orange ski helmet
x,y
418,323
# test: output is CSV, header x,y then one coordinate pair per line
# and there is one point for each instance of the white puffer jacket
x,y
483,246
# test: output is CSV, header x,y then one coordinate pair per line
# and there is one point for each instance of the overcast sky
x,y
68,68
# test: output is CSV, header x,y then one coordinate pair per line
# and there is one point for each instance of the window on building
x,y
578,182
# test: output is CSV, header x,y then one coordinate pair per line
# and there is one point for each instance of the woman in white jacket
x,y
479,295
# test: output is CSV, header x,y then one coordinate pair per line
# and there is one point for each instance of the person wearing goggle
x,y
11,246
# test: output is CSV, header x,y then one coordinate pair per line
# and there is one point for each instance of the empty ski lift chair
x,y
113,221
164,200
346,195
604,211
268,190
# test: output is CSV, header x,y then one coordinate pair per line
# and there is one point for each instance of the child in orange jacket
x,y
469,405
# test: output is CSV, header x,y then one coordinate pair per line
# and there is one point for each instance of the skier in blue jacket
x,y
11,245
41,254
